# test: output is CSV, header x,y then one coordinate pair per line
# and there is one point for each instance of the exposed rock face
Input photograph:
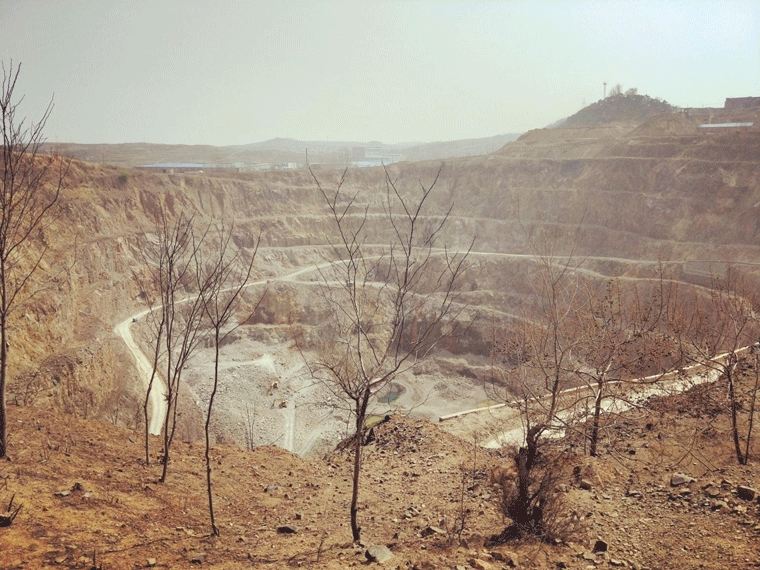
x,y
647,194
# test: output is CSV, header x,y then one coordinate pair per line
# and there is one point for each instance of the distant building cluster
x,y
738,113
742,103
190,167
365,156
362,156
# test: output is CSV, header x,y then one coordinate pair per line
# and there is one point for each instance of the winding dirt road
x,y
157,409
158,402
158,393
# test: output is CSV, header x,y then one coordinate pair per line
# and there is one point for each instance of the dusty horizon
x,y
239,72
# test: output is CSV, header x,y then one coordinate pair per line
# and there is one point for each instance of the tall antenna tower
x,y
605,90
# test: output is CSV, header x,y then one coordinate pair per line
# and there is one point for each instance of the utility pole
x,y
605,90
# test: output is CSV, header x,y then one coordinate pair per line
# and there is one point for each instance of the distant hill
x,y
452,149
275,152
629,107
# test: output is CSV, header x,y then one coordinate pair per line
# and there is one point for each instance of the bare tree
x,y
533,370
172,255
752,394
154,261
724,325
390,304
158,322
536,364
222,280
248,424
623,334
31,185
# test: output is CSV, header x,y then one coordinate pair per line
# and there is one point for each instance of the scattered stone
x,y
588,556
718,505
150,562
60,559
712,491
198,558
287,529
616,562
430,530
507,556
63,493
479,564
586,485
680,479
378,553
474,541
600,546
411,512
745,493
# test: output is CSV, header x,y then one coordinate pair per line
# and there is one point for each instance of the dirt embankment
x,y
664,493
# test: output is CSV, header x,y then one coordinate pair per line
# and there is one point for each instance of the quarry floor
x,y
267,395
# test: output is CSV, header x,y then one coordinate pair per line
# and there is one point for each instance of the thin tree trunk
x,y
595,423
751,418
214,529
3,362
147,423
734,419
169,402
3,372
521,511
147,401
361,414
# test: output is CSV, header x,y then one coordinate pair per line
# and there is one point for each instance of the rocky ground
x,y
269,397
665,493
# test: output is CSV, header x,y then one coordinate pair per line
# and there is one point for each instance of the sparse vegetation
x,y
177,318
388,310
721,335
31,185
222,280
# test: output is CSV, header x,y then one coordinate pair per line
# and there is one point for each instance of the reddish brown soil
x,y
114,512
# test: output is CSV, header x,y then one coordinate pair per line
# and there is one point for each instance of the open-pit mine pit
x,y
631,203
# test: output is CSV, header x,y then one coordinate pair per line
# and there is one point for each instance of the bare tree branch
x,y
31,185
389,309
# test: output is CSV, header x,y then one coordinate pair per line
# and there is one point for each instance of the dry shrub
x,y
547,514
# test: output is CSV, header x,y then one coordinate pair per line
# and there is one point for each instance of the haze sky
x,y
237,72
